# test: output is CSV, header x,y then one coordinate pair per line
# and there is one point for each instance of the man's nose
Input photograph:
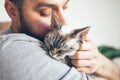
x,y
62,17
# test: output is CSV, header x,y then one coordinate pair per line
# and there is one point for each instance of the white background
x,y
102,15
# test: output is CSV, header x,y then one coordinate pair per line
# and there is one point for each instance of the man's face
x,y
35,16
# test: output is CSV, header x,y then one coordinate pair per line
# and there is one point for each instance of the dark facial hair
x,y
25,27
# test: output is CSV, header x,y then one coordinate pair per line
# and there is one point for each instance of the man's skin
x,y
34,18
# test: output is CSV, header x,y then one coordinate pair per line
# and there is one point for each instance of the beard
x,y
25,28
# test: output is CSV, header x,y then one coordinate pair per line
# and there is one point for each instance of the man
x,y
22,56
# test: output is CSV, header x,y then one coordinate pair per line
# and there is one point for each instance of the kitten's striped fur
x,y
60,44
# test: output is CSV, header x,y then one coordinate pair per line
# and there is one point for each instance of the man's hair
x,y
18,3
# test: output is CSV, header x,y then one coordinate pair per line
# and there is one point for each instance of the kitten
x,y
61,43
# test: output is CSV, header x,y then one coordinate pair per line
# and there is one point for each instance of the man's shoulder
x,y
20,53
17,37
19,41
21,47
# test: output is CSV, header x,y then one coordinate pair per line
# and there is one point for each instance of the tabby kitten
x,y
61,43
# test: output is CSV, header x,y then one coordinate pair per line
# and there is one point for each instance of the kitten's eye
x,y
45,12
73,35
80,41
71,47
60,51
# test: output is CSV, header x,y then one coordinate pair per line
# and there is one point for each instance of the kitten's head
x,y
61,44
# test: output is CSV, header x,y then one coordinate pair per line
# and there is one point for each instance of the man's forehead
x,y
47,1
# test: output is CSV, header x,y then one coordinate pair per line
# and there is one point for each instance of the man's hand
x,y
88,59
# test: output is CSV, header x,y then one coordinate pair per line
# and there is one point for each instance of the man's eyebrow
x,y
47,4
44,4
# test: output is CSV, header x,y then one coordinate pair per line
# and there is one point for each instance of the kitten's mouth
x,y
54,51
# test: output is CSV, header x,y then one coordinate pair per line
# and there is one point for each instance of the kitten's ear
x,y
55,22
82,32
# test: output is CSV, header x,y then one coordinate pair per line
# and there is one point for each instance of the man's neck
x,y
15,28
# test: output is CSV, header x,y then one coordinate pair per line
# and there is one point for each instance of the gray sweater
x,y
23,58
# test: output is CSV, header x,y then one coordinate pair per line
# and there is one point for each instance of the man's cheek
x,y
44,24
41,27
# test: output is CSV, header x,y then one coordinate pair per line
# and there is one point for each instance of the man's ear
x,y
12,10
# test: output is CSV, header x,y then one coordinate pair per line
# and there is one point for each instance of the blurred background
x,y
102,15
